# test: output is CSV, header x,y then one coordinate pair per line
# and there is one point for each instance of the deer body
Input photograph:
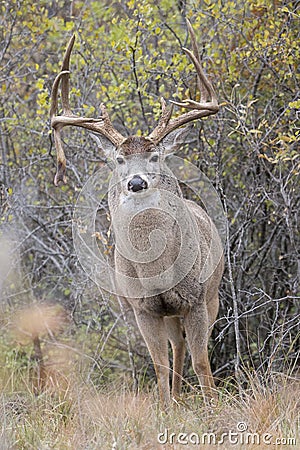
x,y
189,307
168,254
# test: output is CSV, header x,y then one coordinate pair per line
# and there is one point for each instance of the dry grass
x,y
79,416
52,405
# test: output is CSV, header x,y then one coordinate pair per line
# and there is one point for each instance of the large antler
x,y
207,106
101,125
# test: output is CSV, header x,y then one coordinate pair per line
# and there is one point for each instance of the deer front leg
x,y
198,330
175,334
155,335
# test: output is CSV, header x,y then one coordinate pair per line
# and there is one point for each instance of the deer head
x,y
167,135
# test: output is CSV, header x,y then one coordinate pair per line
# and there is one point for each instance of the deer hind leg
x,y
198,330
176,338
212,309
154,332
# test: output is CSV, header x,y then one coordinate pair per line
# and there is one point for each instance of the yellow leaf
x,y
39,84
69,26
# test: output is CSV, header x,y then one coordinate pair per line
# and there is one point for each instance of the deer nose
x,y
137,184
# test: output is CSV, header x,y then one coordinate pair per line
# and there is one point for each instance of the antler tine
x,y
203,92
205,88
166,113
102,125
54,95
207,106
65,78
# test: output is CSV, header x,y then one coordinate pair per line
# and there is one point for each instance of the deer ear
x,y
104,145
172,142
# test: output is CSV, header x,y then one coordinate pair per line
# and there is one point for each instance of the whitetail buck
x,y
171,296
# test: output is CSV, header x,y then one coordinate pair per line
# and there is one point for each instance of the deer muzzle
x,y
137,184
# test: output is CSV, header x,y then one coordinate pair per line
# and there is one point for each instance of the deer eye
x,y
120,159
154,157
